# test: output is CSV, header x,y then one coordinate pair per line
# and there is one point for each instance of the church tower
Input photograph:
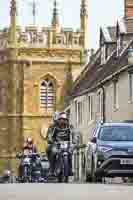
x,y
37,68
11,92
15,82
128,8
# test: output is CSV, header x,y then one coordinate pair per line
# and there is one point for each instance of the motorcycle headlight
x,y
104,149
64,146
45,165
55,150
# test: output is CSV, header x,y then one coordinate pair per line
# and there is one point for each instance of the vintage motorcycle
x,y
30,169
24,171
37,169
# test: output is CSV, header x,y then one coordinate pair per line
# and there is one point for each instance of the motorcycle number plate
x,y
45,165
26,160
64,146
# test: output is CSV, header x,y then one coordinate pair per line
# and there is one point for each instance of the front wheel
x,y
66,169
26,174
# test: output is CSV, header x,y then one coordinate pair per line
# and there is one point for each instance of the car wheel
x,y
125,179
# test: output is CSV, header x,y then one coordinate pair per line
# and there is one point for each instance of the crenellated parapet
x,y
4,38
43,38
54,36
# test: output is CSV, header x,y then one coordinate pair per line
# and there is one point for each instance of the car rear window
x,y
116,133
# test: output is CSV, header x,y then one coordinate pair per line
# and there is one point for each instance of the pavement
x,y
66,192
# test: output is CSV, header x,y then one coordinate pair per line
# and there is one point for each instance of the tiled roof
x,y
112,32
97,73
94,73
95,58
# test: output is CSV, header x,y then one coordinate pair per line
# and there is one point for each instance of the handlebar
x,y
21,155
61,142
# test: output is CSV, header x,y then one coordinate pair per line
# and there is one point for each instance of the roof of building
x,y
97,73
112,32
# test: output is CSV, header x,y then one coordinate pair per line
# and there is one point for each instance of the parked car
x,y
110,152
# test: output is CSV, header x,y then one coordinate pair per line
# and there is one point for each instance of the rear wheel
x,y
26,174
125,179
60,178
66,169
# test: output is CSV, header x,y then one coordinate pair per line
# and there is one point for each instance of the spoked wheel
x,y
60,178
66,169
63,175
58,172
125,179
26,178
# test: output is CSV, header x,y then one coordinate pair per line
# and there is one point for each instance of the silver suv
x,y
110,152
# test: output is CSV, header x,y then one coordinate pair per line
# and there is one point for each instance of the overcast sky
x,y
100,13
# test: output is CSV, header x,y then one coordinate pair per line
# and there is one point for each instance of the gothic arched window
x,y
47,94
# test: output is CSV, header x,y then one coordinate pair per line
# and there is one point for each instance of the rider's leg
x,y
51,157
70,164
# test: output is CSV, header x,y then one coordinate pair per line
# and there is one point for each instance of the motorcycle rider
x,y
29,145
31,148
61,130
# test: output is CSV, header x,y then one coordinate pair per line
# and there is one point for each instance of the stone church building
x,y
35,66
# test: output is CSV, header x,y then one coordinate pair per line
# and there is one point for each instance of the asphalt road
x,y
66,192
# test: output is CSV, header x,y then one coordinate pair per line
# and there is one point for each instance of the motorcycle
x,y
62,166
30,169
37,175
7,177
25,167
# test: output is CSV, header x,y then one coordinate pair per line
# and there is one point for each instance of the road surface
x,y
66,192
